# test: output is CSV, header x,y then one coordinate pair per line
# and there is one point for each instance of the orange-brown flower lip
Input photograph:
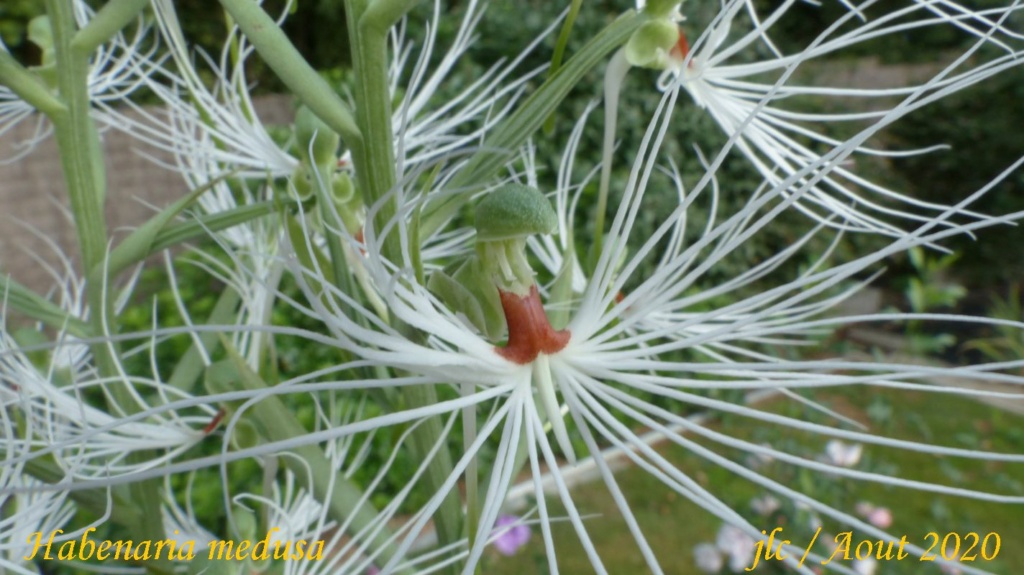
x,y
529,330
682,47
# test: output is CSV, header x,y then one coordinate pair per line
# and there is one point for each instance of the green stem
x,y
82,163
76,135
375,169
282,57
28,87
369,24
114,16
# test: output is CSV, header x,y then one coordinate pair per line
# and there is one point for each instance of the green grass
x,y
673,525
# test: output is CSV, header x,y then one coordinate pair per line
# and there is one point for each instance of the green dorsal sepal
x,y
505,218
514,211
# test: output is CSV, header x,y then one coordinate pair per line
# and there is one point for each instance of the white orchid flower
x,y
735,72
630,336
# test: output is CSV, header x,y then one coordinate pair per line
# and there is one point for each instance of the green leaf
x,y
35,306
201,226
139,244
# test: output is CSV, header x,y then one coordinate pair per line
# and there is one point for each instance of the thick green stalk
x,y
114,16
81,158
368,25
82,163
282,57
368,29
28,87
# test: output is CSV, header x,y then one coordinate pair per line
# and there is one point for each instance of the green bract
x,y
468,289
514,211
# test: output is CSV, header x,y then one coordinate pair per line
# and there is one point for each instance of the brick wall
x,y
32,194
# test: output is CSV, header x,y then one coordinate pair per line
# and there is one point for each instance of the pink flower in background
x,y
949,569
843,454
512,534
739,546
866,566
708,558
878,516
765,505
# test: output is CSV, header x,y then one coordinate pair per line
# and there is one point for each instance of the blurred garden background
x,y
981,275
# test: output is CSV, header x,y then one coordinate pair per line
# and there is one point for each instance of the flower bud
x,y
317,143
300,185
342,189
651,45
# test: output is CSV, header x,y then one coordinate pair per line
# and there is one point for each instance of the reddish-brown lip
x,y
682,47
529,331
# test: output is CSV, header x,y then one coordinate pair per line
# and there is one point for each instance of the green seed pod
x,y
310,129
514,211
651,44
